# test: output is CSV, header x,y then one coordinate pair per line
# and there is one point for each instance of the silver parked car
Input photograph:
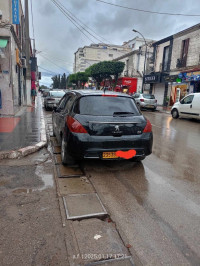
x,y
146,101
52,99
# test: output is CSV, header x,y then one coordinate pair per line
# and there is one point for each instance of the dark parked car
x,y
52,99
93,124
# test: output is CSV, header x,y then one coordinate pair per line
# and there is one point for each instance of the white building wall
x,y
9,77
5,7
90,55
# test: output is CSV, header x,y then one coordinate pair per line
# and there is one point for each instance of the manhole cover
x,y
115,262
66,171
74,185
56,149
83,205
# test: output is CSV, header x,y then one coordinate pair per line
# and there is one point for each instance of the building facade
x,y
185,63
12,58
95,53
176,66
162,53
134,63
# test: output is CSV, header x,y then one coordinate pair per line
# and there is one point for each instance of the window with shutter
x,y
184,52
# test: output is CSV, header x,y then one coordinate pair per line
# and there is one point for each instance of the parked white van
x,y
188,107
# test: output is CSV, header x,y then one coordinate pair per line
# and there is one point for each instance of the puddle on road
x,y
46,177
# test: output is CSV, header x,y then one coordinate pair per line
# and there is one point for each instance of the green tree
x,y
81,77
63,81
105,70
56,81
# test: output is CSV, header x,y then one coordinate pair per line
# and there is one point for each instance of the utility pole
x,y
145,58
28,66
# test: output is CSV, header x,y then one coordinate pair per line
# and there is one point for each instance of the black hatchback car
x,y
94,124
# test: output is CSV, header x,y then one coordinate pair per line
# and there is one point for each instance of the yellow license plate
x,y
109,155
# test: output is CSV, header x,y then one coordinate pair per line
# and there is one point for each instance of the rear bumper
x,y
149,106
51,105
82,146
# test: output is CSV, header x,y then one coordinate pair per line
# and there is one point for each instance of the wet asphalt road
x,y
156,203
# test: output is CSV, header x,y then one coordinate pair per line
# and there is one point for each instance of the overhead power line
x,y
67,10
70,18
50,72
53,63
58,59
80,26
148,11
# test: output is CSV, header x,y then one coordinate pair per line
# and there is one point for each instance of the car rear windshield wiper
x,y
122,113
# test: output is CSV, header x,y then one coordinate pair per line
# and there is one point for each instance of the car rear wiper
x,y
122,113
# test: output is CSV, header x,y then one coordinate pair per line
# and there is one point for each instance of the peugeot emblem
x,y
117,128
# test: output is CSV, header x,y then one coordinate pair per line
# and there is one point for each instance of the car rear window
x,y
148,96
57,94
105,106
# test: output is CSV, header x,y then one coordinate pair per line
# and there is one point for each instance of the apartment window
x,y
184,52
165,58
110,55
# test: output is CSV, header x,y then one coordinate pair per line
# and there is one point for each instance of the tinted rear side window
x,y
57,94
105,106
148,96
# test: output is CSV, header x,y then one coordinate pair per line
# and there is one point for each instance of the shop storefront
x,y
177,89
192,78
156,87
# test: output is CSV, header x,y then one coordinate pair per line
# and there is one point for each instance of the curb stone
x,y
22,152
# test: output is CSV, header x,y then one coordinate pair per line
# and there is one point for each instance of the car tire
x,y
65,157
175,113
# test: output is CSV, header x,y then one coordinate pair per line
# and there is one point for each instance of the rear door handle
x,y
190,105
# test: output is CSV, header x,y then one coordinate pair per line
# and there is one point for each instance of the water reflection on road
x,y
156,203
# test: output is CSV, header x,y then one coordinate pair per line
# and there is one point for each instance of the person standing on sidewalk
x,y
33,86
33,91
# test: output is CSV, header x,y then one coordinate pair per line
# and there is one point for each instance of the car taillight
x,y
75,126
142,100
148,127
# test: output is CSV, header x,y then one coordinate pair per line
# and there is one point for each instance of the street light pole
x,y
144,58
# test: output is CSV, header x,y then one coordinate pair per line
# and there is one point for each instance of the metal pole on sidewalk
x,y
27,45
144,57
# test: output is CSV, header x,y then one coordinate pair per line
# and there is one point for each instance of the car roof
x,y
98,92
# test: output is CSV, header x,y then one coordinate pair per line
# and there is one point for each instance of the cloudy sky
x,y
57,38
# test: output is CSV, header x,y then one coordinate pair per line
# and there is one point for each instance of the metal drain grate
x,y
83,205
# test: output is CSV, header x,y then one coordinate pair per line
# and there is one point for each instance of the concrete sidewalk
x,y
24,133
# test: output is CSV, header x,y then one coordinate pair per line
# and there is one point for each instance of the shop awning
x,y
3,43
